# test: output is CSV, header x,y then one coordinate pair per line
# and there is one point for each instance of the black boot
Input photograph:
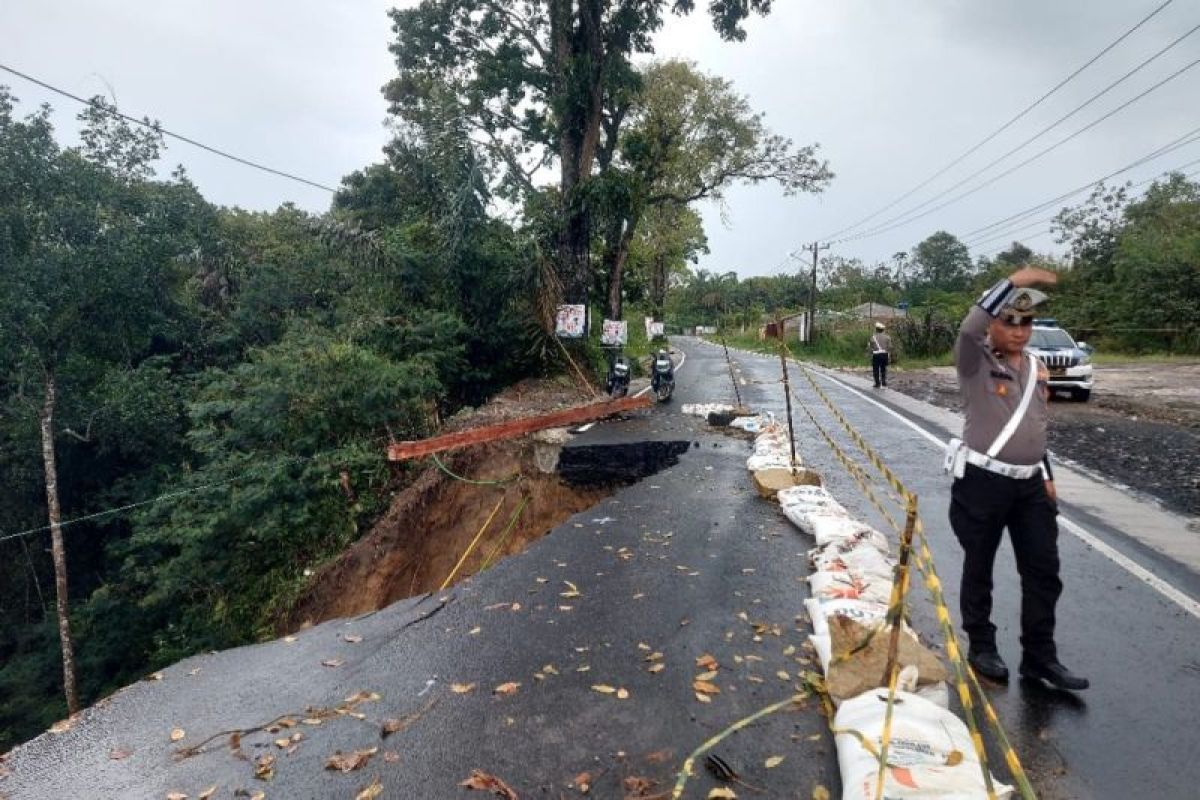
x,y
989,664
1053,673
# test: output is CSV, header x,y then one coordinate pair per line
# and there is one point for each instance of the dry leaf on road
x,y
371,791
332,662
603,688
820,793
177,734
489,783
207,793
507,688
773,761
346,762
722,793
264,767
462,688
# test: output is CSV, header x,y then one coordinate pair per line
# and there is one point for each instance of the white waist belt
x,y
1019,471
958,455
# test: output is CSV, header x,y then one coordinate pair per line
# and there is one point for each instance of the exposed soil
x,y
431,523
1141,427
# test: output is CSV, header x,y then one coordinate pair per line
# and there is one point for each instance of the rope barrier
x,y
456,477
471,547
966,680
686,771
504,535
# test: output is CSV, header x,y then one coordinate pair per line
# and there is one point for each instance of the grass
x,y
831,353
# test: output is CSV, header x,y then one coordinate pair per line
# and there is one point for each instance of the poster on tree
x,y
571,321
614,333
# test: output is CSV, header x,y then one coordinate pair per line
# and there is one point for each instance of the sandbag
x,y
829,528
847,586
769,482
925,740
754,424
704,409
757,463
861,561
860,610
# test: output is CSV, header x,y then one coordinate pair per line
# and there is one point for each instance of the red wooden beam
x,y
400,451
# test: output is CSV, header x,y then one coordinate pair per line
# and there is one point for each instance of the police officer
x,y
1003,478
880,346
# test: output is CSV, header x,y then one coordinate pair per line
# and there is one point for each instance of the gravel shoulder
x,y
1141,427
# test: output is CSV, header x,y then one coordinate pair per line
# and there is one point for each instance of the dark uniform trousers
x,y
879,365
982,504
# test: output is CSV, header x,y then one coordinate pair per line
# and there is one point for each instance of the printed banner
x,y
571,321
615,332
656,329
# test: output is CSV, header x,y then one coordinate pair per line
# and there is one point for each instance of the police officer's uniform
x,y
1000,469
881,348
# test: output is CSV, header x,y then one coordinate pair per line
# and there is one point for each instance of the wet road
x,y
1134,733
684,564
687,563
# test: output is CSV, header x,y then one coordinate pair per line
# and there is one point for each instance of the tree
x,y
537,81
88,252
670,237
941,262
689,137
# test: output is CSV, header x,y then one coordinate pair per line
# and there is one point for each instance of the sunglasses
x,y
1017,322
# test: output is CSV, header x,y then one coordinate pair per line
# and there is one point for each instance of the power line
x,y
1003,127
1046,129
159,129
1186,139
1159,176
901,223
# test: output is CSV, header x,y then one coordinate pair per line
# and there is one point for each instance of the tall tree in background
x,y
538,81
669,238
87,253
941,262
688,138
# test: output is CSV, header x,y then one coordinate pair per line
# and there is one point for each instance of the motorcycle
x,y
663,376
618,377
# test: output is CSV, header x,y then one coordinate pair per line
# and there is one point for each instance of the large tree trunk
x,y
59,552
616,253
658,287
578,51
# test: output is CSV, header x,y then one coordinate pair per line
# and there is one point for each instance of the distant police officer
x,y
1003,478
880,346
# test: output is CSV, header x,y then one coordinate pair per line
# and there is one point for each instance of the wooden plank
x,y
401,451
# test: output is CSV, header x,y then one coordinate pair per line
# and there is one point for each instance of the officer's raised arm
x,y
971,348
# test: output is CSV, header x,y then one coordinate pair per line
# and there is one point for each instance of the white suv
x,y
1069,362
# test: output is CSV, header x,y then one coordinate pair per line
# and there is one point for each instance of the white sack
x,y
846,586
923,737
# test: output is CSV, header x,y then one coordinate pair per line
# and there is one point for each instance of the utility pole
x,y
815,248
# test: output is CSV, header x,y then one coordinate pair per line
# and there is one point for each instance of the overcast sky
x,y
892,91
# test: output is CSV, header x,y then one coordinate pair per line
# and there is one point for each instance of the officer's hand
x,y
1033,276
1050,491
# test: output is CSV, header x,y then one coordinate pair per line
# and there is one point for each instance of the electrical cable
x,y
159,129
1003,127
942,193
898,224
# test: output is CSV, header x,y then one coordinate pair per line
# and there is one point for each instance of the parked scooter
x,y
662,376
618,377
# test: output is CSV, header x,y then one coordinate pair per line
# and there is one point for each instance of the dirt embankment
x,y
1141,427
430,523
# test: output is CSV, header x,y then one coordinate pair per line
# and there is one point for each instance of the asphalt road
x,y
683,563
1134,733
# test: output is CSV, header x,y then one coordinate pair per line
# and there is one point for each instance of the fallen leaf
x,y
117,754
489,783
773,761
622,694
312,720
207,793
475,630
264,767
820,793
345,762
572,591
653,657
643,646
177,734
583,781
371,791
283,743
638,787
507,688
391,726
462,688
703,698
707,661
289,639
656,667
154,676
722,793
63,725
332,662
707,676
583,668
176,796
783,676
603,688
706,687
352,638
